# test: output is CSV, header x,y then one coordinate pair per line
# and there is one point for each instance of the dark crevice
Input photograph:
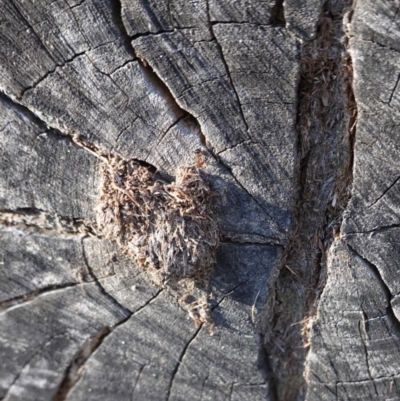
x,y
366,381
121,66
327,115
264,367
203,385
278,14
116,14
124,130
231,391
245,142
147,69
388,295
117,17
147,303
31,116
166,92
229,292
165,32
75,138
174,124
72,7
75,368
213,79
137,380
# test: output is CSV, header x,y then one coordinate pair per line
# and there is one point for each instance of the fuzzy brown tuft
x,y
169,228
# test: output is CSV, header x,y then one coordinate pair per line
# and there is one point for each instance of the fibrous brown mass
x,y
168,227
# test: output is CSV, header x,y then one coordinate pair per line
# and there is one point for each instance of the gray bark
x,y
154,81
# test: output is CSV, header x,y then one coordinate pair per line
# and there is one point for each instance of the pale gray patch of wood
x,y
42,169
143,17
376,189
384,30
118,274
265,79
19,47
193,70
301,17
72,88
250,266
255,12
161,355
355,340
35,262
39,338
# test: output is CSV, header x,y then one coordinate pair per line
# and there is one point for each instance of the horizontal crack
x,y
251,239
375,43
375,230
232,22
10,304
44,222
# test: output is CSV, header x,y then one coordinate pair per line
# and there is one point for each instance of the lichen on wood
x,y
168,227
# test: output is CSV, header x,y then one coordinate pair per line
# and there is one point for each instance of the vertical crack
x,y
75,368
181,356
221,53
278,14
327,115
394,90
101,288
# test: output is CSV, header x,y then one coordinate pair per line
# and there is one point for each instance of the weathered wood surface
x,y
153,81
355,342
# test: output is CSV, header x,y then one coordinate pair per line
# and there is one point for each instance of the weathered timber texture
x,y
356,338
154,81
